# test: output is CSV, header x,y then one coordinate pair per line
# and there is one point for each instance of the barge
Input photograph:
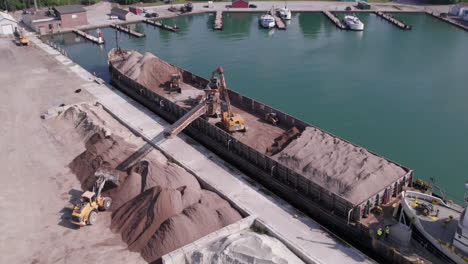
x,y
333,180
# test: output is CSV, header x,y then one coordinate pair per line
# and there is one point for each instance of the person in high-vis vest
x,y
379,232
387,230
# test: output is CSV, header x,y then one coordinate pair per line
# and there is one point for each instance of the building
x,y
135,10
120,13
71,16
460,10
42,22
240,4
8,25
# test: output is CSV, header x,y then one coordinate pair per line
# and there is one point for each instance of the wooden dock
x,y
88,37
218,21
128,30
335,20
161,25
279,22
447,20
392,20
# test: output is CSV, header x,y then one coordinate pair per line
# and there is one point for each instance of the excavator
x,y
231,122
22,40
85,212
209,105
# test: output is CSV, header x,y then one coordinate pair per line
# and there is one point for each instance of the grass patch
x,y
174,161
265,191
259,230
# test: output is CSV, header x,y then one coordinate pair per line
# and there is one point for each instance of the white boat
x,y
267,21
284,13
353,22
441,227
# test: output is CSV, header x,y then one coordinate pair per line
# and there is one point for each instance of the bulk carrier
x,y
336,182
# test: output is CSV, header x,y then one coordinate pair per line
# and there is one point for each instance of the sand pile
x,y
340,167
246,247
158,206
147,69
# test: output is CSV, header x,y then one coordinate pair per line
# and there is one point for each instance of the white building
x,y
8,25
460,10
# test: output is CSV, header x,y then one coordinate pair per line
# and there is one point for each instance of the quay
x,y
334,19
278,20
88,37
218,21
161,25
393,20
128,30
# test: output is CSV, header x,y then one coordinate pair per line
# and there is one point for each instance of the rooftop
x,y
6,16
119,11
68,9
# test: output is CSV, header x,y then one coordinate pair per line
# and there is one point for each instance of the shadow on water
x,y
236,25
311,24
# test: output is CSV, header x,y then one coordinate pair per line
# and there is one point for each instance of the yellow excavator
x,y
22,40
231,122
85,212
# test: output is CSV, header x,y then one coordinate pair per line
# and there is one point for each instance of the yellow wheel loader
x,y
91,202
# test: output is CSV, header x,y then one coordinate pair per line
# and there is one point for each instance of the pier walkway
x,y
128,30
334,19
393,20
161,25
88,37
218,21
278,20
315,244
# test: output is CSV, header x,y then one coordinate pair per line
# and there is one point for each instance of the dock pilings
x,y
161,25
128,30
279,22
335,20
393,20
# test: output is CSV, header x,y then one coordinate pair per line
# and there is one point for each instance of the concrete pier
x,y
218,21
393,20
278,20
335,20
447,20
161,25
128,30
88,37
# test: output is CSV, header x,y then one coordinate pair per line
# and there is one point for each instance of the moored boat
x,y
267,21
284,13
353,22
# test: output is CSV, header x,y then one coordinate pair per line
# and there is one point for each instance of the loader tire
x,y
107,203
92,218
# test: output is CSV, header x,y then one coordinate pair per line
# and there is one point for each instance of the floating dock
x,y
447,20
128,30
393,20
88,37
278,20
335,20
218,21
161,25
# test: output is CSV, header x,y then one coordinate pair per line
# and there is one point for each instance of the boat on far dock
x,y
284,13
353,22
267,21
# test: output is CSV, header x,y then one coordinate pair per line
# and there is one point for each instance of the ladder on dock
x,y
127,30
393,20
334,19
218,21
185,120
161,25
88,37
279,22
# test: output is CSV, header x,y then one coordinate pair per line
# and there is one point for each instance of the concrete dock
x,y
218,21
128,30
278,20
335,20
393,20
88,37
161,25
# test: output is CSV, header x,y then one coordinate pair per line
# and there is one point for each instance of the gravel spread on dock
x,y
245,247
341,167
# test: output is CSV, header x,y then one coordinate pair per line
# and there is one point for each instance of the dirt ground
x,y
36,185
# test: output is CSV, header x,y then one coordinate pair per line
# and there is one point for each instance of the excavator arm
x,y
223,89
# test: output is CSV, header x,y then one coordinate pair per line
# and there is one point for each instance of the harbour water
x,y
402,94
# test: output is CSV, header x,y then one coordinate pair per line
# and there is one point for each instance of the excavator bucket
x,y
108,174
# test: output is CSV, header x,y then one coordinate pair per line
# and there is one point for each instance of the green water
x,y
402,94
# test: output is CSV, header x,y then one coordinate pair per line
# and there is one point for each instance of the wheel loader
x,y
91,202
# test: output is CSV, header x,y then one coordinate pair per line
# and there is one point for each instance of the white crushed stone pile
x,y
349,171
245,247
